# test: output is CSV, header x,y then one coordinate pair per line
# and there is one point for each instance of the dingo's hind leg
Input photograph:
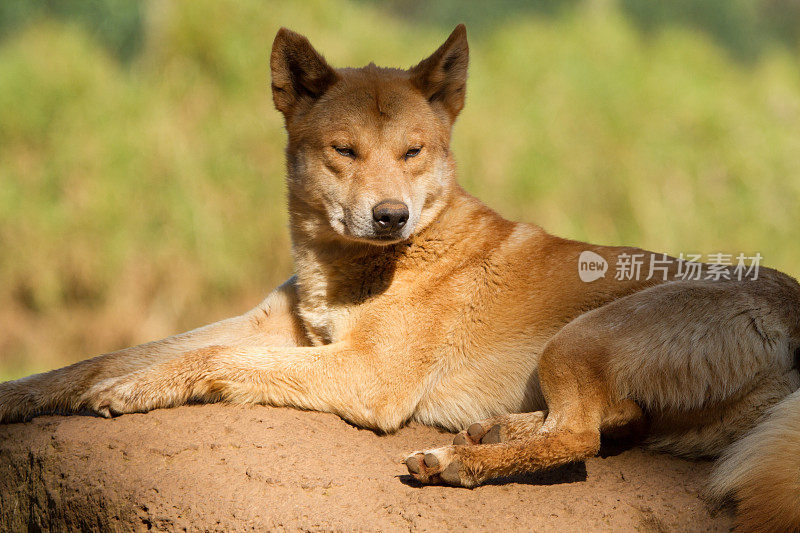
x,y
707,432
580,404
515,426
689,347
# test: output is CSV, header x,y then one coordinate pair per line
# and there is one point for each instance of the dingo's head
x,y
368,152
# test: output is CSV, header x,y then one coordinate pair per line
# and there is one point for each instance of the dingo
x,y
411,300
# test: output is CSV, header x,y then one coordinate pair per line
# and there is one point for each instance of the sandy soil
x,y
214,467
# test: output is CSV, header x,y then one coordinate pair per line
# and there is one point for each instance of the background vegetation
x,y
141,162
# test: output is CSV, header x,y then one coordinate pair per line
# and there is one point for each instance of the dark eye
x,y
345,151
413,152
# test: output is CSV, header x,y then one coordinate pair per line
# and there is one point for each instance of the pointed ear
x,y
442,77
299,73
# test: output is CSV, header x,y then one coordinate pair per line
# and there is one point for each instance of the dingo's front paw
x,y
440,465
114,396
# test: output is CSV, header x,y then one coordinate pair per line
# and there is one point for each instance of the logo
x,y
591,266
687,267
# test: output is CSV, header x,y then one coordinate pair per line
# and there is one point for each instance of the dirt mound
x,y
214,467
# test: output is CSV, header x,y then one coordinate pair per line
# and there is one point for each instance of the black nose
x,y
389,216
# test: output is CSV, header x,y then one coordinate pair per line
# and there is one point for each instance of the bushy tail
x,y
761,472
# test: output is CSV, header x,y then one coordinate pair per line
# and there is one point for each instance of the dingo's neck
x,y
335,277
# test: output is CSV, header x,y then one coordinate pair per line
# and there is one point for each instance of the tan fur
x,y
454,314
761,471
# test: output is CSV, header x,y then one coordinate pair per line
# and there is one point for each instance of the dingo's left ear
x,y
299,73
442,77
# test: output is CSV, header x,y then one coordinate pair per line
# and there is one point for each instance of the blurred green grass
x,y
141,179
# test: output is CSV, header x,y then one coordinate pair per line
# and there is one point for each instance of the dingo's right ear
x,y
299,73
